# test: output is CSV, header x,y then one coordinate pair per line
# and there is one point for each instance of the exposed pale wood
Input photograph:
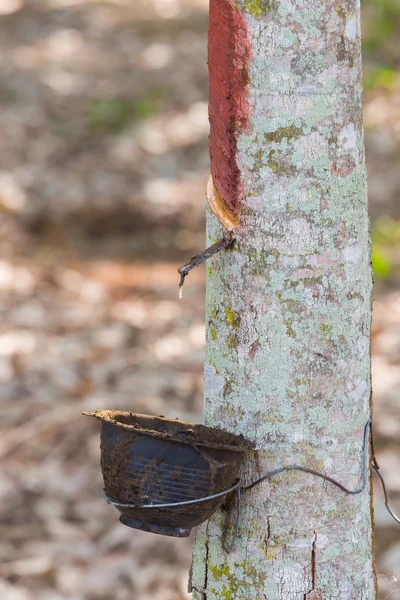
x,y
229,219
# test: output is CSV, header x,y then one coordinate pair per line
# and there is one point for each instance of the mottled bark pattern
x,y
288,315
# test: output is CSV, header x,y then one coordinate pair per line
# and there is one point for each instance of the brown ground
x,y
103,163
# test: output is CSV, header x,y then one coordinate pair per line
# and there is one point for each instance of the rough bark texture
x,y
288,315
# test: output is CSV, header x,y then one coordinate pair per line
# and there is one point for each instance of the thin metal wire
x,y
367,429
227,548
322,475
377,471
239,488
172,504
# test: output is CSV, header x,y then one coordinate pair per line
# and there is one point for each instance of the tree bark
x,y
289,307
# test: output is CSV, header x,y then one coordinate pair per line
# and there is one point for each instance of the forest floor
x,y
103,165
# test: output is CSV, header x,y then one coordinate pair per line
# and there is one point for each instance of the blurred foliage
x,y
382,77
380,34
381,58
381,24
381,262
385,238
113,115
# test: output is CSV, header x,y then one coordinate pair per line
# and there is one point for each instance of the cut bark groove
x,y
228,57
310,595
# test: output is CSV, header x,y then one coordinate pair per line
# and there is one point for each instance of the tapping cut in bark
x,y
229,109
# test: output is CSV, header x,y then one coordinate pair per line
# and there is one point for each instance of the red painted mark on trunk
x,y
228,57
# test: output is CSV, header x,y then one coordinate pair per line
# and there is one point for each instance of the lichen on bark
x,y
288,316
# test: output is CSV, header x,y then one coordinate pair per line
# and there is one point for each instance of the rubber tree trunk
x,y
289,307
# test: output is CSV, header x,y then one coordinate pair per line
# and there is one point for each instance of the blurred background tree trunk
x,y
289,308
